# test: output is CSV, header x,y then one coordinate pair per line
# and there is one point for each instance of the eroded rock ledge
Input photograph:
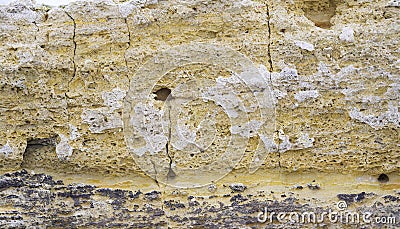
x,y
37,200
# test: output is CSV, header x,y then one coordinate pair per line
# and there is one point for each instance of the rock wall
x,y
142,94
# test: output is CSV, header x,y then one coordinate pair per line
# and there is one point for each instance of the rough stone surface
x,y
70,68
37,200
330,71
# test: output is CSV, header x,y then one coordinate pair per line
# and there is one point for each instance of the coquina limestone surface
x,y
80,100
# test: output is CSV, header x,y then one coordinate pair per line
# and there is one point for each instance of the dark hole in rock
x,y
42,141
162,94
92,85
320,12
38,149
383,178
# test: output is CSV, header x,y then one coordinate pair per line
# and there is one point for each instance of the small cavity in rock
x,y
383,178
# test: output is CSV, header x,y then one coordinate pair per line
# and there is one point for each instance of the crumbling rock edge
x,y
37,199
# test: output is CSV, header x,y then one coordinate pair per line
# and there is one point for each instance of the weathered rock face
x,y
40,201
187,91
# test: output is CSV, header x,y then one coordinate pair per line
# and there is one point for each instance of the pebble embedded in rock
x,y
238,187
212,188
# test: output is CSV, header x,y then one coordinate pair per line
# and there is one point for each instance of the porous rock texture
x,y
90,91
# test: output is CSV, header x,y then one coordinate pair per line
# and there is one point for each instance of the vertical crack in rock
x,y
155,173
125,17
73,58
74,42
269,39
129,45
37,29
279,151
171,174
